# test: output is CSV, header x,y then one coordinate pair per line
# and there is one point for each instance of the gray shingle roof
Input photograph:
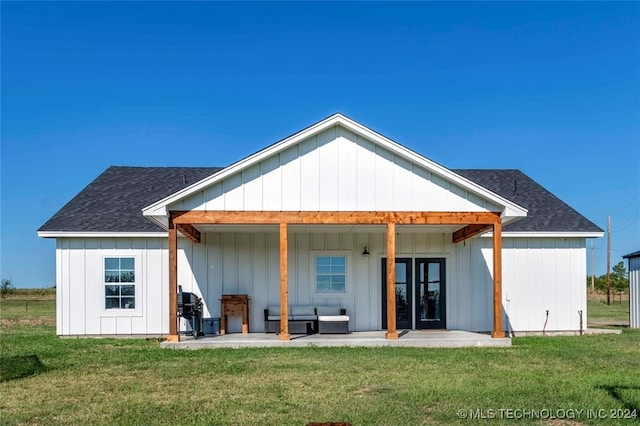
x,y
113,202
546,212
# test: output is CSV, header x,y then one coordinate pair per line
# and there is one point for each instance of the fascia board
x,y
549,234
75,234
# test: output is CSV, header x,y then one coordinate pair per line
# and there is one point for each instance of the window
x,y
331,274
119,283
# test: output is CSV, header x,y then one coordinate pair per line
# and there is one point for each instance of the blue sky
x,y
552,89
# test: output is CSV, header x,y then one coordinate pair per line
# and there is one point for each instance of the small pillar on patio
x,y
284,288
498,331
173,283
392,333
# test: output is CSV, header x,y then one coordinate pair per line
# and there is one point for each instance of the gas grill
x,y
190,308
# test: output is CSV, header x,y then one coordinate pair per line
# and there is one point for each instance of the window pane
x,y
337,279
127,277
127,263
323,260
111,277
337,283
337,269
112,303
323,279
112,290
338,261
128,303
434,272
324,287
323,269
128,290
112,263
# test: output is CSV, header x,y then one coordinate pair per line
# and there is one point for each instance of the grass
x,y
602,315
133,381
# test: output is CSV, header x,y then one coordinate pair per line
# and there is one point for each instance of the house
x,y
634,288
335,214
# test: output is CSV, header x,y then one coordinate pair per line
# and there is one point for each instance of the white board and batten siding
x,y
80,287
540,275
536,276
335,170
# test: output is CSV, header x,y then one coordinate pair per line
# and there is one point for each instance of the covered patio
x,y
406,338
470,224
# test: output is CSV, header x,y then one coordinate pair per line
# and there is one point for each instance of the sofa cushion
x,y
304,317
328,310
274,310
304,310
333,318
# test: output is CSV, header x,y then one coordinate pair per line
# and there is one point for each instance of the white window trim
x,y
137,311
347,254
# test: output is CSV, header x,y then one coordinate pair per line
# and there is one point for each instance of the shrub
x,y
6,288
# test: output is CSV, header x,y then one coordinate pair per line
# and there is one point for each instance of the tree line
x,y
619,280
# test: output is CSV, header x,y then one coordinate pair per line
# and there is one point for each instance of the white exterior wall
x,y
634,292
538,274
541,274
335,171
80,287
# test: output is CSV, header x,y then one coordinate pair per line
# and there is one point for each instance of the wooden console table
x,y
234,304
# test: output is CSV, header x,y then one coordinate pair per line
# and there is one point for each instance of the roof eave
x,y
548,234
99,234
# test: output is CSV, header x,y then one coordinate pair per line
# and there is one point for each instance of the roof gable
x,y
321,137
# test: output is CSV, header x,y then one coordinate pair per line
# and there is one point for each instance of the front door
x,y
430,294
403,293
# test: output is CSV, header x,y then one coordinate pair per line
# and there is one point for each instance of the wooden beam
x,y
498,331
284,290
173,283
469,231
329,217
190,232
392,334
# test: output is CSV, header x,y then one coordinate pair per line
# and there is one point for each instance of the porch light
x,y
365,252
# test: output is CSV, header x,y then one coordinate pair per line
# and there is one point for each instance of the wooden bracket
x,y
470,231
189,231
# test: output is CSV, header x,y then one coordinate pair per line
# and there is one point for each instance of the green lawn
x,y
47,380
602,315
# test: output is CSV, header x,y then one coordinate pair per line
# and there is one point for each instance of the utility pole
x,y
608,259
593,270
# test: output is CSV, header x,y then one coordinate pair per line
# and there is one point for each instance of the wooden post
x,y
392,334
284,290
498,331
173,283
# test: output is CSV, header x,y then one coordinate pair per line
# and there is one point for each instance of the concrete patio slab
x,y
412,338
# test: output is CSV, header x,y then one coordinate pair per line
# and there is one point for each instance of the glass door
x,y
430,293
403,293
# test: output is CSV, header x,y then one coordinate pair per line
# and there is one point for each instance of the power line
x,y
628,204
629,225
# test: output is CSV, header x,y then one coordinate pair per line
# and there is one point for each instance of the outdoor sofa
x,y
307,319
